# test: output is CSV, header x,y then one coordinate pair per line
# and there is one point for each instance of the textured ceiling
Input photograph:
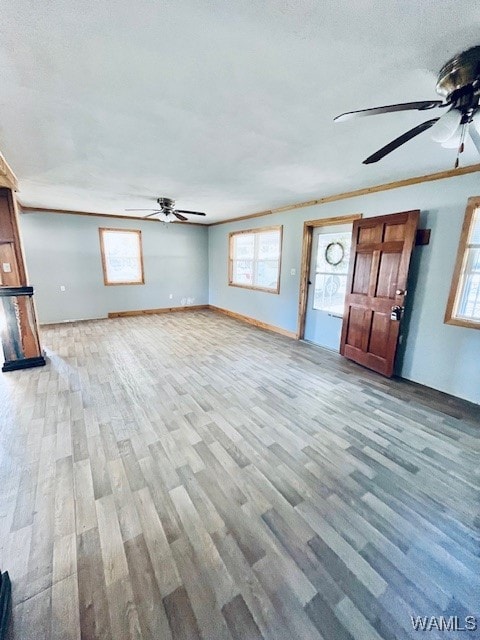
x,y
226,107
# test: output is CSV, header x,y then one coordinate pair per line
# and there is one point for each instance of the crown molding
x,y
397,184
440,175
69,212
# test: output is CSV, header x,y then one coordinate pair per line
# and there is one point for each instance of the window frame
x,y
104,261
455,292
258,230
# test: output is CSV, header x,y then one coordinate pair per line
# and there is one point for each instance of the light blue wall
x,y
441,356
65,250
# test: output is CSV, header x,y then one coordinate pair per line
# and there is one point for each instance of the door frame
x,y
308,228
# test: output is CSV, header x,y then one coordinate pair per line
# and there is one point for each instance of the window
x,y
254,259
463,307
122,258
331,270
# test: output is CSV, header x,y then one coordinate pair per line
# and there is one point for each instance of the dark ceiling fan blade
x,y
389,108
152,214
140,209
192,213
179,216
394,144
474,135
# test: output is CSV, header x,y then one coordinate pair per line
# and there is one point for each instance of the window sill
x,y
460,322
253,288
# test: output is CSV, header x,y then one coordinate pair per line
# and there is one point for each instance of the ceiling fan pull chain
x,y
461,146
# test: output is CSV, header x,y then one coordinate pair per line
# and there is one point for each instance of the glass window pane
x,y
333,247
330,280
269,245
465,288
266,274
475,233
242,272
256,258
122,256
329,292
469,300
243,247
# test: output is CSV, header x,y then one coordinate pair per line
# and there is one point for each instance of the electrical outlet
x,y
62,287
171,296
293,272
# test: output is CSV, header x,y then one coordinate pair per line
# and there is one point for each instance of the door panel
x,y
380,322
388,269
377,282
361,278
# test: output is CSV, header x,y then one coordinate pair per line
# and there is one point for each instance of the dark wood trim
x,y
253,321
440,175
259,230
450,317
104,264
308,228
147,312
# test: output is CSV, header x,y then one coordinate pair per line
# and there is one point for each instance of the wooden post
x,y
18,324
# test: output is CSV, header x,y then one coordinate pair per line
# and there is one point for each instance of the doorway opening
x,y
323,279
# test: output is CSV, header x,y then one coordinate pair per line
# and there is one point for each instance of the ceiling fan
x,y
168,212
459,83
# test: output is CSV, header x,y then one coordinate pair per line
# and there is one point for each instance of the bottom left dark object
x,y
5,603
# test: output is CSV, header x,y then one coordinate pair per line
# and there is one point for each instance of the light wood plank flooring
x,y
186,476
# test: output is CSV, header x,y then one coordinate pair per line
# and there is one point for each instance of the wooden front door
x,y
376,289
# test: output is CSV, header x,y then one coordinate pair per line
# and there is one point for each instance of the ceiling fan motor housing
x,y
167,205
459,78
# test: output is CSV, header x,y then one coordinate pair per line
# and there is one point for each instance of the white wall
x,y
65,250
441,356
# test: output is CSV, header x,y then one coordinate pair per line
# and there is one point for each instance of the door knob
x,y
396,313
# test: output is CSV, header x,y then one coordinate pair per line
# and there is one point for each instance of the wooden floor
x,y
186,476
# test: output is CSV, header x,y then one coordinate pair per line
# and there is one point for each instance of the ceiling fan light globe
x,y
446,126
454,141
